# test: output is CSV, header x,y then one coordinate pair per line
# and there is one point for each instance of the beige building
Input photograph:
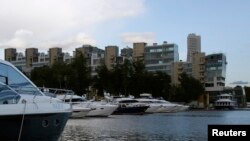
x,y
31,56
177,68
193,45
79,51
84,50
138,51
198,66
10,54
55,55
111,52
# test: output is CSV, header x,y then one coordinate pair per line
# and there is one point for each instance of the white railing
x,y
55,92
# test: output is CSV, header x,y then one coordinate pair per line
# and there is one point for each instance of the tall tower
x,y
193,45
55,55
10,54
111,52
31,56
138,51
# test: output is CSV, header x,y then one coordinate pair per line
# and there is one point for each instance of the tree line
x,y
129,78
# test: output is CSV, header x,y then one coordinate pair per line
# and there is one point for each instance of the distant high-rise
x,y
93,55
31,56
177,68
193,45
138,51
111,52
215,73
55,55
10,54
127,52
160,57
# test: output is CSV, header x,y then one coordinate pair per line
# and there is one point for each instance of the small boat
x,y
26,113
225,101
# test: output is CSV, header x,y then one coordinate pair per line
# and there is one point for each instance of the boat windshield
x,y
8,96
17,81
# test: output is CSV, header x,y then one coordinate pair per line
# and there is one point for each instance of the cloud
x,y
24,38
83,38
240,82
148,37
21,39
73,42
48,21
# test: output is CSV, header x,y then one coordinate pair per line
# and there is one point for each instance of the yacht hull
x,y
80,114
130,110
36,127
224,107
102,111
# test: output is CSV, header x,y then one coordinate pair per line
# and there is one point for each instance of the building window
x,y
171,49
209,85
212,68
152,50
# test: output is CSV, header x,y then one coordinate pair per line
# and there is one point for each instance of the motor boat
x,y
127,105
96,108
153,103
101,109
26,113
160,105
78,111
169,107
225,101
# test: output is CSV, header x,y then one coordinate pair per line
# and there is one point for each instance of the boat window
x,y
14,79
128,101
8,96
75,100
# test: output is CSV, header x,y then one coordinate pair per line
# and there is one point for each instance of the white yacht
x,y
101,109
78,111
153,103
225,101
163,105
171,107
127,105
26,113
97,108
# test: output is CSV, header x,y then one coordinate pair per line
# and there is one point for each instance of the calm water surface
x,y
183,126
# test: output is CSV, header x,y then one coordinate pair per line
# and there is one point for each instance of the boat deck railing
x,y
62,94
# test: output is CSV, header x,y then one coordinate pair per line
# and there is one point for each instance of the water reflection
x,y
168,126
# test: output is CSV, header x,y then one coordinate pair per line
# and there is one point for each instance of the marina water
x,y
182,126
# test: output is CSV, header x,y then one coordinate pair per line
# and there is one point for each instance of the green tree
x,y
43,76
192,87
80,77
60,74
102,81
137,78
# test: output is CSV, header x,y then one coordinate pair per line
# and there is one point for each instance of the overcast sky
x,y
222,24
